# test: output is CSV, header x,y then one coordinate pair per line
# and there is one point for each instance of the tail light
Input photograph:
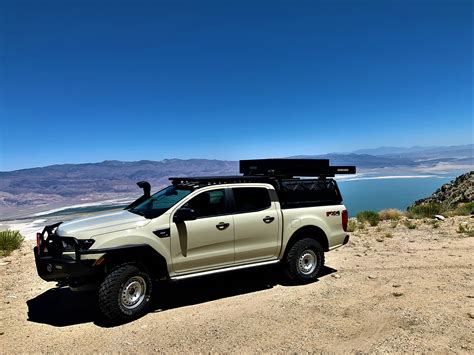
x,y
38,241
345,220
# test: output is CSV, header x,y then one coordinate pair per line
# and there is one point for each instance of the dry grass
x,y
391,214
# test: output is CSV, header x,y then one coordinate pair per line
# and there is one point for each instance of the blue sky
x,y
86,81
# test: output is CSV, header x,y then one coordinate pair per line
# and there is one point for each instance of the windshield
x,y
160,202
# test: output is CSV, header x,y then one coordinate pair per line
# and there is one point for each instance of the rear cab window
x,y
250,199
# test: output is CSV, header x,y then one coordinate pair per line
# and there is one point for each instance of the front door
x,y
208,241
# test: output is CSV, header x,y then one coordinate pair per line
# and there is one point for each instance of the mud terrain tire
x,y
125,293
304,261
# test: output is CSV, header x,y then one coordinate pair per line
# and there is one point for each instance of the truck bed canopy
x,y
284,175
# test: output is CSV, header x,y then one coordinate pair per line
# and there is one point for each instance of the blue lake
x,y
378,194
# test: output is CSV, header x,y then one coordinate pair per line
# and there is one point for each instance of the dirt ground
x,y
411,291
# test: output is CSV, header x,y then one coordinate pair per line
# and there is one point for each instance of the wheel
x,y
304,261
125,293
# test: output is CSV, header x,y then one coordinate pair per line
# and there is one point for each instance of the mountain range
x,y
28,190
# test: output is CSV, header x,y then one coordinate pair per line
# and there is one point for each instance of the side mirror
x,y
184,214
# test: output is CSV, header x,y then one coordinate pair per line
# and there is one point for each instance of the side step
x,y
217,271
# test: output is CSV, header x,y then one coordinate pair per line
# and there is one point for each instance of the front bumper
x,y
61,269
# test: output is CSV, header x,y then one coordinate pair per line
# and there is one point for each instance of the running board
x,y
217,271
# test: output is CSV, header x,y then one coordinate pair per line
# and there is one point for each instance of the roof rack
x,y
269,170
213,180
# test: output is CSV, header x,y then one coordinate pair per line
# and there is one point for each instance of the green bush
x,y
425,210
371,217
9,241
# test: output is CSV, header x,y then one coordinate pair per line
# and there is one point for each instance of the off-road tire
x,y
295,265
110,293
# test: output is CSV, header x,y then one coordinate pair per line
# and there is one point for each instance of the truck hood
x,y
85,228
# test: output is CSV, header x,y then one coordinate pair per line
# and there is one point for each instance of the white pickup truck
x,y
199,226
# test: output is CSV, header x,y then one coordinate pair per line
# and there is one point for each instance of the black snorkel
x,y
145,185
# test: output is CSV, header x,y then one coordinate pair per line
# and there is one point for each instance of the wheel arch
x,y
142,255
308,231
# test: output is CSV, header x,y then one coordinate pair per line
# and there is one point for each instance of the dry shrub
x,y
391,214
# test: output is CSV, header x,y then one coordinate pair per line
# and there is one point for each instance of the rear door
x,y
256,224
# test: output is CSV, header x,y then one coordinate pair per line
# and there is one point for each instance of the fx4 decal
x,y
333,213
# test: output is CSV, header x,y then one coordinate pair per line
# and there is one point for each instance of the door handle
x,y
221,226
268,219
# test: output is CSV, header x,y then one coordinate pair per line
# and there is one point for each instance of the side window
x,y
251,199
208,204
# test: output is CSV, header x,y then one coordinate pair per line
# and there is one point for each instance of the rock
x,y
1,333
379,239
439,217
336,276
470,296
397,294
372,277
3,263
471,315
396,285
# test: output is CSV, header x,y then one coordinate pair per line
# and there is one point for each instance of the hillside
x,y
460,190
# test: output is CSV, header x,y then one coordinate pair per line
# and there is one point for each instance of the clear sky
x,y
89,80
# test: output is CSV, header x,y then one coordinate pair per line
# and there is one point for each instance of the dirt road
x,y
408,291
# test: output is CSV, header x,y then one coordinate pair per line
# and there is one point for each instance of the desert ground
x,y
391,289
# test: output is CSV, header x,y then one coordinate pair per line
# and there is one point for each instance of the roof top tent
x,y
290,168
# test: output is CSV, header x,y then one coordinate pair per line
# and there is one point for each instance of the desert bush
x,y
368,216
463,209
464,228
388,235
432,222
352,225
425,210
390,214
9,241
409,224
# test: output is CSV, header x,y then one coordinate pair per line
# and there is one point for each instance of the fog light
x,y
49,268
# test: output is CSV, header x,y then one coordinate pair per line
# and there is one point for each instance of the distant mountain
x,y
362,161
456,151
391,150
28,190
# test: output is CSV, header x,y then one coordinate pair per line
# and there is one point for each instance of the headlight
x,y
69,244
86,243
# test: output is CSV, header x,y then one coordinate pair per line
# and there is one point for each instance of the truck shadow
x,y
62,307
